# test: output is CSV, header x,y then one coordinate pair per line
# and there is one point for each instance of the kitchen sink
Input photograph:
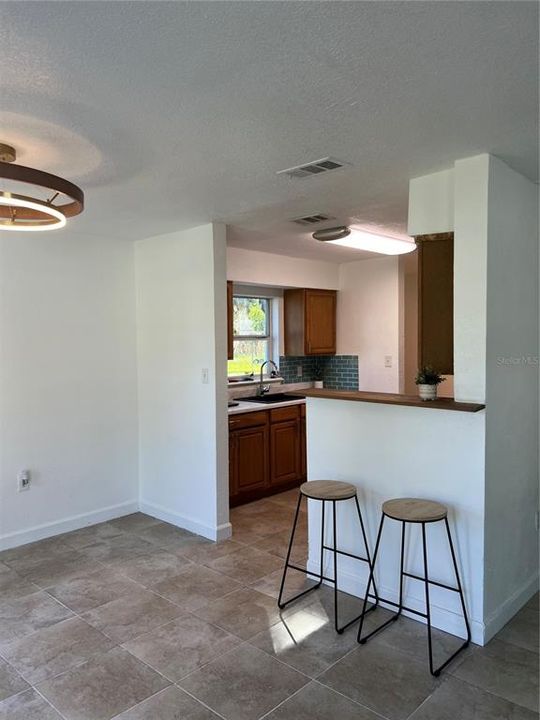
x,y
272,398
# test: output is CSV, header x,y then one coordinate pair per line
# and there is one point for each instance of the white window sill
x,y
256,381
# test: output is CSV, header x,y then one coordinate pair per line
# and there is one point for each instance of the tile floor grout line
x,y
171,683
35,689
141,702
282,662
365,707
19,692
202,703
490,692
209,662
425,700
202,606
296,692
33,684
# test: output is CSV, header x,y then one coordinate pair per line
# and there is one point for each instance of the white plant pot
x,y
318,384
427,392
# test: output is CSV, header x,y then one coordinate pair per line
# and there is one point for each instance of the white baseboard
x,y
224,531
505,612
221,532
441,618
75,522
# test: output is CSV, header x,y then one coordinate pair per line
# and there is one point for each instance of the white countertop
x,y
244,407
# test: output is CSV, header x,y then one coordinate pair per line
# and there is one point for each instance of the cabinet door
x,y
230,332
436,302
233,465
284,452
320,319
251,458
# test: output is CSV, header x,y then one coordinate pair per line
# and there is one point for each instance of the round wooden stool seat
x,y
328,490
414,510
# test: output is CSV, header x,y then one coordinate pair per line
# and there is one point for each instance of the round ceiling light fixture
x,y
33,209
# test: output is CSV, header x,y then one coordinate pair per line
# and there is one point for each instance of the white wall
x,y
457,199
183,423
67,382
431,203
279,270
368,320
471,177
495,222
511,393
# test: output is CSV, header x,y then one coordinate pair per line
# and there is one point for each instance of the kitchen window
x,y
252,334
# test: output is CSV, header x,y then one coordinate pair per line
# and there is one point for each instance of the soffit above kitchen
x,y
171,115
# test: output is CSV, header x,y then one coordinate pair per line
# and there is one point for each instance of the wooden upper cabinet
x,y
436,301
310,322
230,331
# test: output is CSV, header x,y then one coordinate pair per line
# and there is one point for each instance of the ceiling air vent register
x,y
317,167
312,219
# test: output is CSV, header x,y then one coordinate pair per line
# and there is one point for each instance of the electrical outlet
x,y
387,361
299,371
23,480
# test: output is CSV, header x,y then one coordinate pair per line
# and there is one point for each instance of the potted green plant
x,y
427,380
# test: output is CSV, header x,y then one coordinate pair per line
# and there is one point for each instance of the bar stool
x,y
414,510
332,491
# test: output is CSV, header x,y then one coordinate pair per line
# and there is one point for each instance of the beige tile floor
x,y
135,619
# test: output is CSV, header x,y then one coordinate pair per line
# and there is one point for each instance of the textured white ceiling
x,y
174,114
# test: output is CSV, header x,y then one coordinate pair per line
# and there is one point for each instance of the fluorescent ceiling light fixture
x,y
361,240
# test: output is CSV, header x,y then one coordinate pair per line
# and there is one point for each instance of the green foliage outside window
x,y
251,327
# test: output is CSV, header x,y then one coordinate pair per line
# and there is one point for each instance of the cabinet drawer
x,y
285,413
247,420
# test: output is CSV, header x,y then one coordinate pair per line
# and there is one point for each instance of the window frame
x,y
269,337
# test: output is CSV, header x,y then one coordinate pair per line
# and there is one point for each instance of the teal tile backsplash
x,y
338,372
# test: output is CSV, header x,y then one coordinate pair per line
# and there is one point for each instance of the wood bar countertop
x,y
391,399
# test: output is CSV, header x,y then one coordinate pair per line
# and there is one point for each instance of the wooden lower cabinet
x,y
285,452
265,453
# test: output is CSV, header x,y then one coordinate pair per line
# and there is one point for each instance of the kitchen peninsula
x,y
393,446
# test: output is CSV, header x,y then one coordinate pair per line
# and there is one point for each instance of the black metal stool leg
x,y
402,574
322,542
426,586
334,524
364,536
458,582
360,639
459,590
288,564
401,569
